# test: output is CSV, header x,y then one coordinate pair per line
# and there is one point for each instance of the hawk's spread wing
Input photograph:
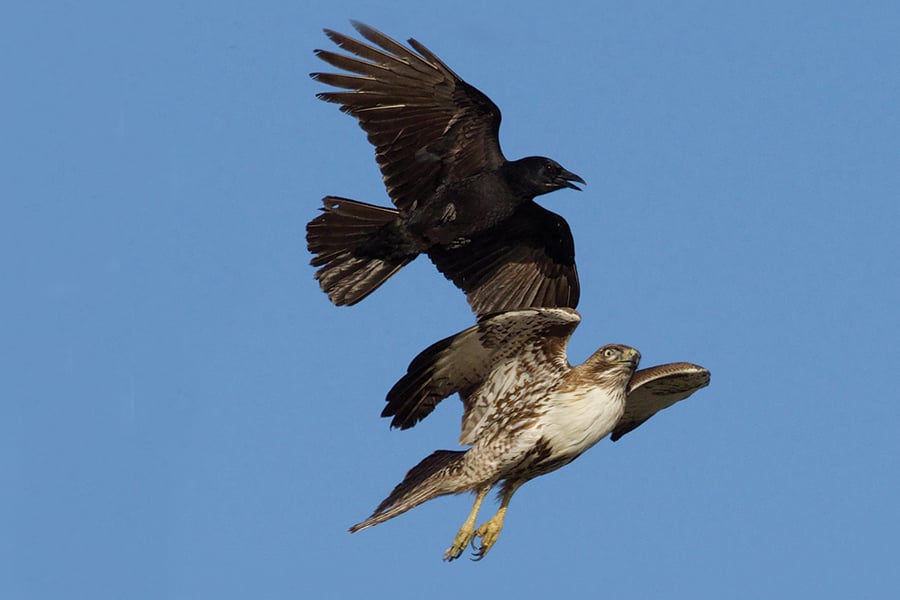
x,y
481,363
428,126
531,262
656,388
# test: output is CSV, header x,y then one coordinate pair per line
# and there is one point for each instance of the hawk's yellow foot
x,y
489,532
466,533
463,538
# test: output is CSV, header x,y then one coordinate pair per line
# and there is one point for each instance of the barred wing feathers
x,y
657,388
484,363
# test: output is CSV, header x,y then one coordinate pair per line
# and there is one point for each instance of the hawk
x,y
457,198
526,410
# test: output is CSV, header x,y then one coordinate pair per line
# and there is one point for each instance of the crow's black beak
x,y
566,178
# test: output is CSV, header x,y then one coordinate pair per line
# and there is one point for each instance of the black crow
x,y
458,199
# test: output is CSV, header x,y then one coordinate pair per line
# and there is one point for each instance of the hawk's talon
x,y
478,552
488,532
464,537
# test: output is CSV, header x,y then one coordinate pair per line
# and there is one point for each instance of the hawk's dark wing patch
x,y
481,356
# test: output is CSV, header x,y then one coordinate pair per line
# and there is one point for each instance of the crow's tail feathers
x,y
356,248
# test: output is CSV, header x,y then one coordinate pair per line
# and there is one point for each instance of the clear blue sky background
x,y
184,415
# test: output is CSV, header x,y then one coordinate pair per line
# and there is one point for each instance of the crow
x,y
457,198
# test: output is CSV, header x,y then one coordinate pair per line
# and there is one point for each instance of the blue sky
x,y
184,415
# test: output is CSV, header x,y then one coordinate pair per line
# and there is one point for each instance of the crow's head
x,y
538,175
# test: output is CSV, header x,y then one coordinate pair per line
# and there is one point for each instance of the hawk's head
x,y
614,363
613,355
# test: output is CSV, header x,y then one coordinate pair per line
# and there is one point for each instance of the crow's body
x,y
458,199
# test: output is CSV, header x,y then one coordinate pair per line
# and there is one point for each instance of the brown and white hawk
x,y
526,410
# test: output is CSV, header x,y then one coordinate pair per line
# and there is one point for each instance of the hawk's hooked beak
x,y
566,178
634,357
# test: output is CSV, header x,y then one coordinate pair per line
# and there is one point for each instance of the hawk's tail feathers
x,y
435,476
354,248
